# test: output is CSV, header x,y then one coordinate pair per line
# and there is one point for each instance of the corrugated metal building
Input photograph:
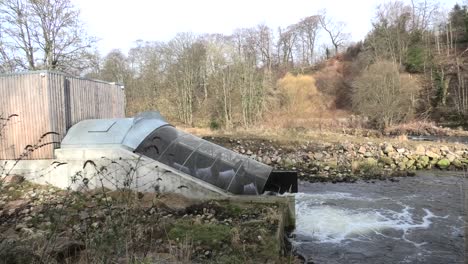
x,y
48,101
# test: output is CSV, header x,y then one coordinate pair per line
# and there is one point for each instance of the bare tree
x,y
264,41
335,31
308,29
43,34
115,67
286,42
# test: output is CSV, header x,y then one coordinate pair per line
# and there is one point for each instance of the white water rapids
x,y
320,219
409,220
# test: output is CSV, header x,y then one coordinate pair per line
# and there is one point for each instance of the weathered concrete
x,y
113,167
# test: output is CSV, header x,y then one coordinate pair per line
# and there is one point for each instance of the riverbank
x,y
346,158
43,224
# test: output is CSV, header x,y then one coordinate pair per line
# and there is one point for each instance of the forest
x,y
411,67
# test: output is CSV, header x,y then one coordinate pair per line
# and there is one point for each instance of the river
x,y
410,220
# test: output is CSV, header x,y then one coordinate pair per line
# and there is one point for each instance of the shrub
x,y
385,95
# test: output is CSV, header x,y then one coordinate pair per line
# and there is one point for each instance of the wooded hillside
x,y
411,66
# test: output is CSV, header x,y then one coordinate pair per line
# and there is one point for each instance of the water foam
x,y
334,224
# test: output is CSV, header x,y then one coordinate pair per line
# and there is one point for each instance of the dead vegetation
x,y
42,224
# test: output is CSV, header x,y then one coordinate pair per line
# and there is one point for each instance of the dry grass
x,y
422,128
289,137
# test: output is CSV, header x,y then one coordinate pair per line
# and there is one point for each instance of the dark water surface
x,y
451,139
414,220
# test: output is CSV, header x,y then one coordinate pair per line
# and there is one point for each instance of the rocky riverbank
x,y
349,161
42,224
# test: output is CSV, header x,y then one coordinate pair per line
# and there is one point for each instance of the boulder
x,y
432,155
318,156
386,160
444,149
443,163
387,148
458,164
410,163
423,161
402,166
420,150
362,150
450,157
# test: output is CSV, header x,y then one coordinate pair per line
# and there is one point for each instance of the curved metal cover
x,y
140,130
129,132
97,132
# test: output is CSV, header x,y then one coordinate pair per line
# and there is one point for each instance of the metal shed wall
x,y
51,102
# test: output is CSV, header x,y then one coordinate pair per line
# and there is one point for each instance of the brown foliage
x,y
384,95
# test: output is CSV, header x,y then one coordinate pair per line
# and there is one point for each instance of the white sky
x,y
119,23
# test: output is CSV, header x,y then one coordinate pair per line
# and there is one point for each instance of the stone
x,y
458,164
16,204
424,158
401,150
435,150
402,166
444,149
388,148
423,161
450,157
386,160
443,163
432,155
410,163
288,162
368,154
20,226
84,215
318,156
362,150
420,150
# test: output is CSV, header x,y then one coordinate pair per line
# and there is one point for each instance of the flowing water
x,y
412,220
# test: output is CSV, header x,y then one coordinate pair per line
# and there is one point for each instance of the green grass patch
x,y
206,234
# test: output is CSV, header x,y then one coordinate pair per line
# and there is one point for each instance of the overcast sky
x,y
119,23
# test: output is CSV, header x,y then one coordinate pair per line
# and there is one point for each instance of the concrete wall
x,y
113,167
